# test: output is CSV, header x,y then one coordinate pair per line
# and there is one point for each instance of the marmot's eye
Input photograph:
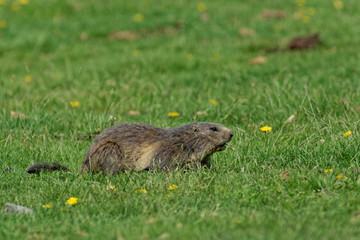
x,y
214,129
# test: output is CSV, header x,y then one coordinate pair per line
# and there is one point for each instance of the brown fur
x,y
138,146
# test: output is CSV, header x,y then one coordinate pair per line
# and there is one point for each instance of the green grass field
x,y
67,66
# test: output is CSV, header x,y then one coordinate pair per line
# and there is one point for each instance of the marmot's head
x,y
209,138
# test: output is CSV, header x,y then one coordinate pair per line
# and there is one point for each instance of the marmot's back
x,y
131,132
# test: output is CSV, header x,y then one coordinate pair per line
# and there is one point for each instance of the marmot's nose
x,y
231,134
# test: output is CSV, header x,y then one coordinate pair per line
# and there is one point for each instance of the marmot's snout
x,y
227,138
231,135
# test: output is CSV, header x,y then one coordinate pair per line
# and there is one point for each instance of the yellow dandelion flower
x,y
168,195
136,53
311,11
265,129
213,102
28,78
189,56
300,3
173,187
216,56
306,19
14,6
111,187
338,5
328,170
24,2
173,114
236,220
340,176
3,24
347,133
141,191
201,7
47,206
2,2
138,17
74,103
72,201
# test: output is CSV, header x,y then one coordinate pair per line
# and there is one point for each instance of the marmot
x,y
138,146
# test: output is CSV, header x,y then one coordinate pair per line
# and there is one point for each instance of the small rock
x,y
13,208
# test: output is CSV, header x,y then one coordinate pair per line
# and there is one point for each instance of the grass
x,y
271,186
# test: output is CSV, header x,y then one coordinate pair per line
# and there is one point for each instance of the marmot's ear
x,y
196,128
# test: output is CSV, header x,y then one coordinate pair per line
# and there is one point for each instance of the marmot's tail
x,y
38,167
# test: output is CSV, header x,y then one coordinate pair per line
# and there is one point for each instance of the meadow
x,y
71,68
